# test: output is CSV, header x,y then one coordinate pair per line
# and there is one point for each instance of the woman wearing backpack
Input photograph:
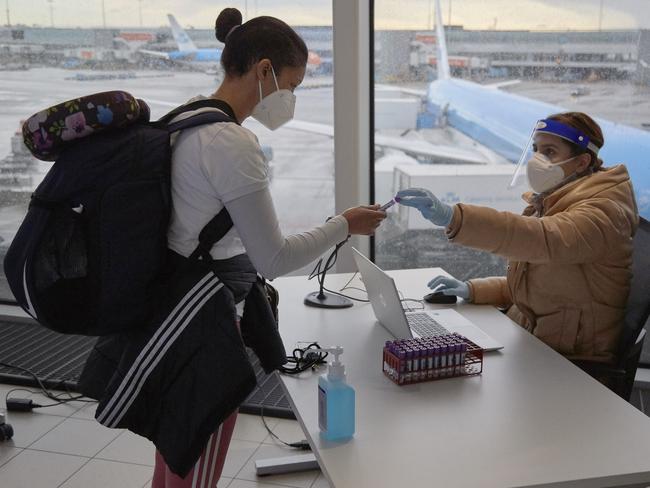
x,y
222,165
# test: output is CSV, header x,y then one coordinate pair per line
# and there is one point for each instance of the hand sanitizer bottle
x,y
335,401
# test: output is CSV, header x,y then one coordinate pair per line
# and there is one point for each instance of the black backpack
x,y
89,256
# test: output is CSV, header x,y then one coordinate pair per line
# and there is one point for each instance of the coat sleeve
x,y
490,291
581,234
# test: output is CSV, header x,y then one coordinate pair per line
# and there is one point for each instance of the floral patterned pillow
x,y
48,132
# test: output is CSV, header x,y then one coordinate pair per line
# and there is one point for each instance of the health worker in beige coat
x,y
569,253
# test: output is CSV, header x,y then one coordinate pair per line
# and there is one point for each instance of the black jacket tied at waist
x,y
177,378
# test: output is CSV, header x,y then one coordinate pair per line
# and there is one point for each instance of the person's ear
x,y
584,160
263,69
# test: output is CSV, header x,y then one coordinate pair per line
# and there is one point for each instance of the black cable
x,y
346,296
57,398
347,287
304,359
329,264
302,445
354,288
344,287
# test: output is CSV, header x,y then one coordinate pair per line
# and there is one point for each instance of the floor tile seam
x,y
246,462
254,441
123,432
58,414
57,452
47,432
19,449
272,441
80,455
74,473
275,421
99,458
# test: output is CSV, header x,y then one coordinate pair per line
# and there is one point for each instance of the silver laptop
x,y
387,306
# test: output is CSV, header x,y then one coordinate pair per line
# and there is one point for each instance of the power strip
x,y
288,464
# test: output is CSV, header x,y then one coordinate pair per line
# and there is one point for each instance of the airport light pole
x,y
103,15
51,12
140,11
600,17
8,16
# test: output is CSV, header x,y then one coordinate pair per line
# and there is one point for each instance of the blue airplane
x,y
503,121
187,52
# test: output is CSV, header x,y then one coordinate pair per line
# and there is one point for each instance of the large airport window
x,y
164,54
454,117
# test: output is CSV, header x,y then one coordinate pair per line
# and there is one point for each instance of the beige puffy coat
x,y
569,271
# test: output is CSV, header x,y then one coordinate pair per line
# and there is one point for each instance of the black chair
x,y
619,377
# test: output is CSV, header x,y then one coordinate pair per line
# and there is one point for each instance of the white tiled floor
x,y
64,447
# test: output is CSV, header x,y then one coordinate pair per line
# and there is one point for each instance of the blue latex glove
x,y
450,286
426,202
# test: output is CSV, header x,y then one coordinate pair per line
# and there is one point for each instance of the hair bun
x,y
227,20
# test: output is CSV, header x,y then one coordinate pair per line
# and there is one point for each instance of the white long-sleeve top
x,y
221,165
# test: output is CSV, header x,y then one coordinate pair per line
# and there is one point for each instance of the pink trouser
x,y
207,470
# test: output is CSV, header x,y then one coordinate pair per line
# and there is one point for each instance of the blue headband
x,y
566,132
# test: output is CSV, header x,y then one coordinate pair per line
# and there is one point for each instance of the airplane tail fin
x,y
442,61
180,36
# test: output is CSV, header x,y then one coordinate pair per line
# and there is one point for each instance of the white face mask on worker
x,y
276,109
544,174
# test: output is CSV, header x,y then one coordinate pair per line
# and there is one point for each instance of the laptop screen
x,y
383,297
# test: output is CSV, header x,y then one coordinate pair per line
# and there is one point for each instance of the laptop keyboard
x,y
424,325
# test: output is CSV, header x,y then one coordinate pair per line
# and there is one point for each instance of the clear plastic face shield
x,y
543,170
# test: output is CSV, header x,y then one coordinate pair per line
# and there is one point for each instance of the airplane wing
x,y
156,54
413,147
426,149
407,91
501,84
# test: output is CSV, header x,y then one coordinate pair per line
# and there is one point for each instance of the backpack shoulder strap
x,y
220,224
211,234
225,114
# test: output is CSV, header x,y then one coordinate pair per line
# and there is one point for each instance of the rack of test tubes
x,y
408,361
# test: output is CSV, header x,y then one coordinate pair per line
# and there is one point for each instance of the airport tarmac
x,y
622,102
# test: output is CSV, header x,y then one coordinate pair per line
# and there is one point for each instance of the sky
x,y
390,14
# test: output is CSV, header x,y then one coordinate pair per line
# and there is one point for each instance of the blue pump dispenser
x,y
335,401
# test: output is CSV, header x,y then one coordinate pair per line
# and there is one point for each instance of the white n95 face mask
x,y
543,174
275,109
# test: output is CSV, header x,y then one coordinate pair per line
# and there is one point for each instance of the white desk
x,y
531,418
